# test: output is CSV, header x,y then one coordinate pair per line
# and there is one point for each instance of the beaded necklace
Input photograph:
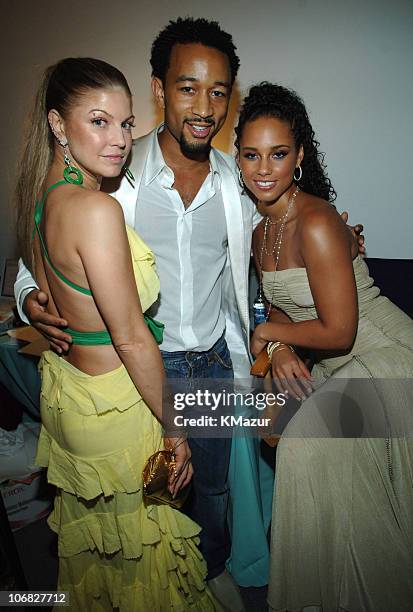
x,y
273,252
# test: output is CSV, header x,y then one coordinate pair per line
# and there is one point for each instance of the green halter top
x,y
80,337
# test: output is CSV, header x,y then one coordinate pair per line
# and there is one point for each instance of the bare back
x,y
68,223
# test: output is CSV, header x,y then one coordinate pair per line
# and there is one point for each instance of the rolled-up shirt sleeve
x,y
23,285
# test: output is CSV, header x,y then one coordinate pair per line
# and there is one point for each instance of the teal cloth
x,y
251,484
18,373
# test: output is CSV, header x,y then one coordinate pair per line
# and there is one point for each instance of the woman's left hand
x,y
183,469
257,342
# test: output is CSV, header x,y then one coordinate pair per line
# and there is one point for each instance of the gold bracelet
x,y
273,346
283,347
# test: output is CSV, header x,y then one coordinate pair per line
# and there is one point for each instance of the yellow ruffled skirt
x,y
114,551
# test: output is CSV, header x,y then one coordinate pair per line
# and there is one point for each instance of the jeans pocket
x,y
224,359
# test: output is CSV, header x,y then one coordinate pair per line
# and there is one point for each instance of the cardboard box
x,y
36,343
26,500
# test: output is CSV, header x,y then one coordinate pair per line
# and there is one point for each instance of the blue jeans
x,y
207,503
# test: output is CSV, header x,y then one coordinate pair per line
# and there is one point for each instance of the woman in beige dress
x,y
342,529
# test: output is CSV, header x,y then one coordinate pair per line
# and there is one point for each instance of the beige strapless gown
x,y
342,529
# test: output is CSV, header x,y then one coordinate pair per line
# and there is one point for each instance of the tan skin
x,y
196,92
315,238
98,130
195,99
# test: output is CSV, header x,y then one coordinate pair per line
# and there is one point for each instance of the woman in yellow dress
x,y
101,403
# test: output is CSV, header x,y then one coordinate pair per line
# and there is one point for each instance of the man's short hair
x,y
187,31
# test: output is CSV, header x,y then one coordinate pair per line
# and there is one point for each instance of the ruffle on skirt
x,y
88,478
146,559
64,387
114,551
102,586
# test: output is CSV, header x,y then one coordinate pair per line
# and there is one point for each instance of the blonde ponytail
x,y
62,84
36,157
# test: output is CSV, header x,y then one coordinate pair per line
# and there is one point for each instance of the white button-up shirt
x,y
190,246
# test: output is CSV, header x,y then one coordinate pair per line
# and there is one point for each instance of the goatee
x,y
194,150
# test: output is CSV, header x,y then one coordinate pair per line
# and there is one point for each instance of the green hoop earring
x,y
77,179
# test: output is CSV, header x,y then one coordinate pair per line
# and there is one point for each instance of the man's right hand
x,y
35,308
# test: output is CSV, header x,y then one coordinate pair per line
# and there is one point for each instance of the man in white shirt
x,y
187,196
192,258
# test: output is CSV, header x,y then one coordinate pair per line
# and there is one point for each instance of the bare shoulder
x,y
319,219
92,206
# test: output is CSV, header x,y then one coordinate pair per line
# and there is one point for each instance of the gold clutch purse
x,y
155,476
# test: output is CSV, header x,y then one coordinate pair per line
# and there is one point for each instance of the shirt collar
x,y
155,163
213,164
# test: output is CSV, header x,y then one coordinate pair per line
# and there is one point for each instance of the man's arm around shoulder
x,y
32,308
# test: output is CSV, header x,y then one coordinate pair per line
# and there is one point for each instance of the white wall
x,y
350,60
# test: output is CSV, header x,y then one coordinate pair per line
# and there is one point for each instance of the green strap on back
x,y
103,337
80,337
37,220
89,338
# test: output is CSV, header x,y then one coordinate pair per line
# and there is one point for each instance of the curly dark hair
x,y
270,100
187,31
